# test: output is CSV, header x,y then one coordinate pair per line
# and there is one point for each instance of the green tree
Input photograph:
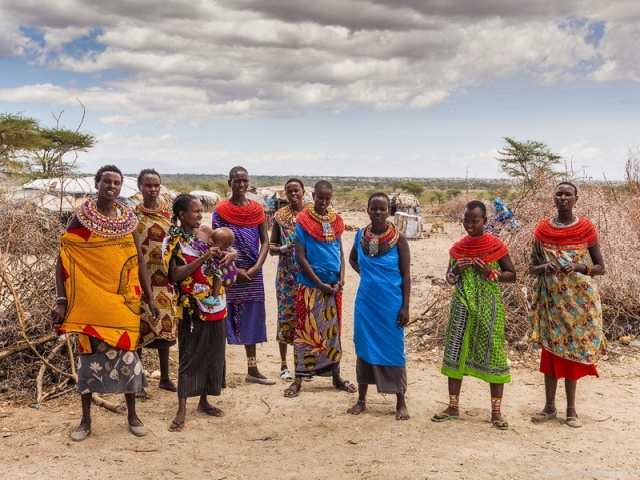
x,y
415,188
528,162
18,136
26,147
48,160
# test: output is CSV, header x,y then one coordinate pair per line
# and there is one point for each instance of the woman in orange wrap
x,y
99,286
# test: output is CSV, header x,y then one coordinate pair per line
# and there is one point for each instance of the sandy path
x,y
264,435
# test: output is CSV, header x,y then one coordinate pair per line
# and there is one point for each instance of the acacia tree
x,y
528,162
28,148
18,136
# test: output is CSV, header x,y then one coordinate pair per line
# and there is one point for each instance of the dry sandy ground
x,y
264,435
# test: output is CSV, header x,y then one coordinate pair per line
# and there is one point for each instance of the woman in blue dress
x,y
381,256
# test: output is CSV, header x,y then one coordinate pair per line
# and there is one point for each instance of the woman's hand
x,y
481,267
571,268
403,317
551,268
243,276
58,313
328,289
461,265
153,308
230,256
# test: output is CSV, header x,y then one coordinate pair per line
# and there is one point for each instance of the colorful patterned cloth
x,y
153,226
102,287
474,340
566,313
186,248
245,326
317,347
286,276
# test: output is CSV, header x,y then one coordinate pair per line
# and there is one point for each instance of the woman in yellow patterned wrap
x,y
99,287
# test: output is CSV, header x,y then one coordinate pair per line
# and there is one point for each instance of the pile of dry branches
x,y
32,358
616,215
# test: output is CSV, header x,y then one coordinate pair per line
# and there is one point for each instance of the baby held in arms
x,y
221,239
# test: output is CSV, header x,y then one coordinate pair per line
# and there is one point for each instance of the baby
x,y
221,238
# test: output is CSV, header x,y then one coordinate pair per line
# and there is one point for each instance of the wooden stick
x,y
112,407
22,346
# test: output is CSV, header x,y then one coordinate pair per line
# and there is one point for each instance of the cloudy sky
x,y
419,88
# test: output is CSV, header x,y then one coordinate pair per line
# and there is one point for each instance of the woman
x,y
201,331
474,341
281,244
246,321
98,284
381,256
566,314
154,216
319,253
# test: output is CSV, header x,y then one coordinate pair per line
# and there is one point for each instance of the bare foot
x,y
402,413
142,395
358,408
167,384
209,409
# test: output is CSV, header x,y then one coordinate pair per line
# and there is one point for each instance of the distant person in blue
x,y
381,256
502,220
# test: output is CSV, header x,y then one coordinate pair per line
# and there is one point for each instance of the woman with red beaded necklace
x,y
154,215
281,243
246,318
474,340
381,256
566,314
100,248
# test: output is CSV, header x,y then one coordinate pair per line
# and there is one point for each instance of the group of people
x,y
128,279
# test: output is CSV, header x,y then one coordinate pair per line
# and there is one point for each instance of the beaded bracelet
x,y
588,272
493,276
452,278
61,301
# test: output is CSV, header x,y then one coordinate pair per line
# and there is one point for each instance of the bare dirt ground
x,y
264,435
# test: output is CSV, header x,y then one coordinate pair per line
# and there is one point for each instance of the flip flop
x,y
443,417
544,416
175,426
500,424
285,375
213,411
345,385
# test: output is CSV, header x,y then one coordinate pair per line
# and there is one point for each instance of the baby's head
x,y
222,238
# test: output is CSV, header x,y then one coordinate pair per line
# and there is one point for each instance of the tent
x,y
208,199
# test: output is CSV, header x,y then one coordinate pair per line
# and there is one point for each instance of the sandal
x,y
293,390
285,375
543,416
176,426
500,424
574,422
443,417
345,385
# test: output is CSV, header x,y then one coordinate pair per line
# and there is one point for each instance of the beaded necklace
x,y
152,211
374,244
286,217
325,220
93,220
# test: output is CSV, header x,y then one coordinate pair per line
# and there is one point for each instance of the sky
x,y
400,88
